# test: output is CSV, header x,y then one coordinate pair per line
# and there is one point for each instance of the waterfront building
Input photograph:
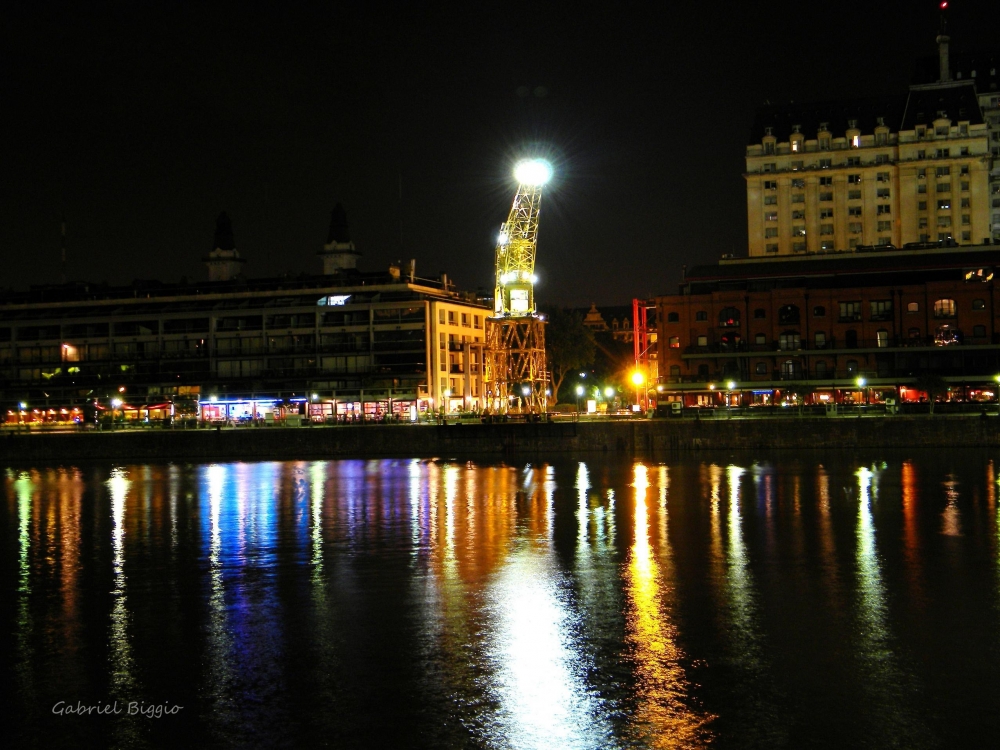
x,y
344,343
920,167
815,322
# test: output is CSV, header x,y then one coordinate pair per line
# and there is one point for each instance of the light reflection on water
x,y
585,604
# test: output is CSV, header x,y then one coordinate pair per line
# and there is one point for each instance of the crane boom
x,y
514,295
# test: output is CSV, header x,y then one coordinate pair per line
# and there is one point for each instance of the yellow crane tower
x,y
515,376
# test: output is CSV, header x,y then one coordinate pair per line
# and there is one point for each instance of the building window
x,y
921,188
675,371
760,339
850,311
826,197
451,317
821,369
770,185
819,311
885,226
852,367
881,309
759,313
921,205
942,153
798,247
979,331
881,338
944,308
673,317
825,163
854,227
828,245
883,241
966,220
854,161
799,215
913,334
729,317
978,304
771,216
882,177
944,221
798,183
942,171
703,341
820,340
854,211
853,195
789,341
912,307
966,236
441,315
965,203
882,193
701,315
826,213
771,232
465,320
771,248
760,368
826,181
477,321
674,342
882,158
883,209
943,187
788,314
770,200
826,229
798,231
965,187
854,179
798,198
791,369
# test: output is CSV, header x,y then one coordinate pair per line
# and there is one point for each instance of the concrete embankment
x,y
638,436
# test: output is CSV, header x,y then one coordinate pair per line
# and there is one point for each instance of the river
x,y
734,601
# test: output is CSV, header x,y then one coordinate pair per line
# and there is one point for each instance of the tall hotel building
x,y
920,168
874,252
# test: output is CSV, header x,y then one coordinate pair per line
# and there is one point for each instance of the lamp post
x,y
864,391
730,387
525,391
579,393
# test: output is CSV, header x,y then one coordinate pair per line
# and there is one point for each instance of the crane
x,y
514,295
514,362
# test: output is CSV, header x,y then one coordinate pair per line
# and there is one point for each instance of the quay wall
x,y
644,437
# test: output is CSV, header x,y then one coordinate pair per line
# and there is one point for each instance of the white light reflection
x,y
540,677
317,485
123,682
24,489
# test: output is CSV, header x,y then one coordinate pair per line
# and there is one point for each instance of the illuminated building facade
x,y
845,176
345,343
887,317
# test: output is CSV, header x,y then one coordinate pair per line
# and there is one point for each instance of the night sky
x,y
139,122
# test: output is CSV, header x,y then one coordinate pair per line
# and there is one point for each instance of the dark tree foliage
x,y
569,345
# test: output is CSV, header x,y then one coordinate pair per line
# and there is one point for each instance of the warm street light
x,y
609,392
638,378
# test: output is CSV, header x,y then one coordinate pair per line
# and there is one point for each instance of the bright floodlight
x,y
638,378
533,172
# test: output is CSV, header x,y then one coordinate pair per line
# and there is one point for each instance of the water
x,y
805,601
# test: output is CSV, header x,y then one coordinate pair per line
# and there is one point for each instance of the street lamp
x,y
579,393
864,391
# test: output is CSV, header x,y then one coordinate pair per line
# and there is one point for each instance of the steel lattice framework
x,y
515,273
515,376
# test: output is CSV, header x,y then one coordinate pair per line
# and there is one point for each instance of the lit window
x,y
674,342
944,308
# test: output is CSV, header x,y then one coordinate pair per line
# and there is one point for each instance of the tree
x,y
800,391
933,385
569,345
